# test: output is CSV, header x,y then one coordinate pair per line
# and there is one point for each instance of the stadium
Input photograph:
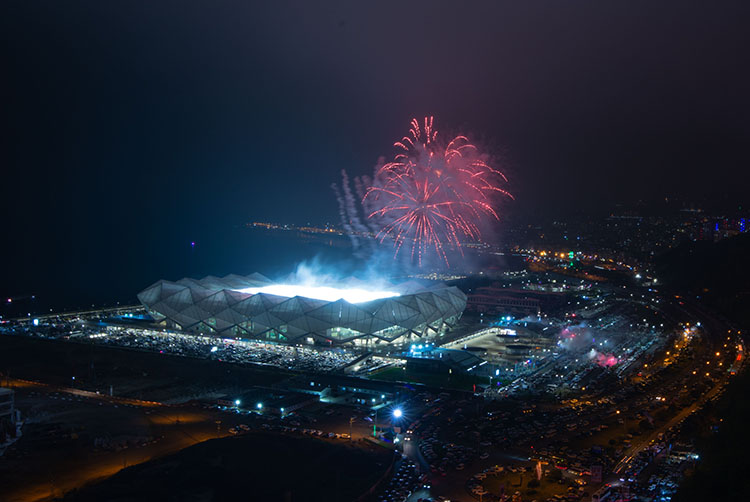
x,y
350,313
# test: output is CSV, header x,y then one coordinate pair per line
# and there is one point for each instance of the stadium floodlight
x,y
331,294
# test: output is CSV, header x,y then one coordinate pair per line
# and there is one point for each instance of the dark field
x,y
139,375
59,450
257,466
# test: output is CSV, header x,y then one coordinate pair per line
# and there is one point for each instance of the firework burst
x,y
433,194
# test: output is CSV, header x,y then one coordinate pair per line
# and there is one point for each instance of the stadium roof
x,y
214,305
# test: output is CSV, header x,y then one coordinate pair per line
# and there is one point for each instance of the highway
x,y
635,449
714,330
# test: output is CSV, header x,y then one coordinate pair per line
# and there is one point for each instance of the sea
x,y
116,270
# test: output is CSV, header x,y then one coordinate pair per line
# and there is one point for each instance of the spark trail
x,y
433,194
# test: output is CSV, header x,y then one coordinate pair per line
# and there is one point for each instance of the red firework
x,y
432,193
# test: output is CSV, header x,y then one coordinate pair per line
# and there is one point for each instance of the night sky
x,y
134,125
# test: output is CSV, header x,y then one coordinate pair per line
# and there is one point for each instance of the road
x,y
635,449
715,330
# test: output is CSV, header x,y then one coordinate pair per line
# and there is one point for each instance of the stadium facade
x,y
219,306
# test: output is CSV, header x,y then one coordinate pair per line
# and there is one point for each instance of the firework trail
x,y
345,221
360,185
433,194
350,201
351,212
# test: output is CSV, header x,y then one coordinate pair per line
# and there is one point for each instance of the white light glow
x,y
351,295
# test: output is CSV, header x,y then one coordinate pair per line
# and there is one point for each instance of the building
x,y
346,390
531,300
496,301
355,313
7,408
444,361
267,400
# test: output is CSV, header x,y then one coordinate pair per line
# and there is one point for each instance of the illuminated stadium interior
x,y
327,293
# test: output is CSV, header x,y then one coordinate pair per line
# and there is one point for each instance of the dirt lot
x,y
70,440
140,375
73,437
256,466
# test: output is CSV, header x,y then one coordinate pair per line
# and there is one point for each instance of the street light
x,y
397,413
236,402
259,406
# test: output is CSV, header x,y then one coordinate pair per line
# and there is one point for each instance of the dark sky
x,y
154,118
